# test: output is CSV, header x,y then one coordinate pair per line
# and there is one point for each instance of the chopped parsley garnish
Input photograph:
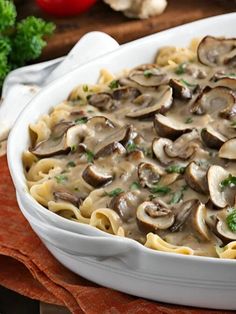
x,y
71,164
175,169
73,148
76,189
89,155
187,83
148,73
81,120
160,189
176,198
232,74
148,152
228,182
114,84
88,97
231,220
180,69
131,147
61,178
85,88
114,192
188,120
135,186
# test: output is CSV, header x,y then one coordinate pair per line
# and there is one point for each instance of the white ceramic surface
x,y
27,81
190,280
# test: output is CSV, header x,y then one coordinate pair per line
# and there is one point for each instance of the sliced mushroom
x,y
96,178
100,124
212,138
195,177
126,93
149,75
184,147
222,228
123,135
224,81
180,90
154,215
102,101
68,197
220,100
158,145
228,149
143,100
220,197
184,210
199,221
149,174
216,51
60,128
125,204
169,128
161,105
110,149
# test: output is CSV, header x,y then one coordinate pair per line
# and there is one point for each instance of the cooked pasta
x,y
148,154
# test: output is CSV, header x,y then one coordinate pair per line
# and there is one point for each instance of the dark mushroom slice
x,y
110,149
169,128
125,204
102,101
149,75
123,135
126,93
183,211
136,156
158,145
214,51
220,197
56,143
68,197
180,90
219,100
149,174
212,138
195,177
96,178
154,215
184,147
228,149
161,105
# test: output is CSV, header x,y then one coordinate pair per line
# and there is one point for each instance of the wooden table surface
x,y
102,18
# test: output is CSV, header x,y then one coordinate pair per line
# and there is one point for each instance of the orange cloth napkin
x,y
27,267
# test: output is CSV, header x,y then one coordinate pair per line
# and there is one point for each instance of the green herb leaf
x,y
73,148
71,164
188,120
114,84
114,192
176,198
81,120
175,169
7,15
85,88
61,178
135,186
89,155
131,147
228,182
148,73
187,83
180,69
231,221
233,123
160,190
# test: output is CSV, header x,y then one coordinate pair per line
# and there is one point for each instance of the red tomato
x,y
65,7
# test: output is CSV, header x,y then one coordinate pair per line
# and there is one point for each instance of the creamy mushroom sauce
x,y
105,149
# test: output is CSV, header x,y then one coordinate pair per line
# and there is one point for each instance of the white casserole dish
x,y
125,264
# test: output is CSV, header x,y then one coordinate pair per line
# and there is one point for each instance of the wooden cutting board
x,y
102,18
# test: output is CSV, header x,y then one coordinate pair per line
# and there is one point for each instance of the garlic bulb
x,y
138,8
